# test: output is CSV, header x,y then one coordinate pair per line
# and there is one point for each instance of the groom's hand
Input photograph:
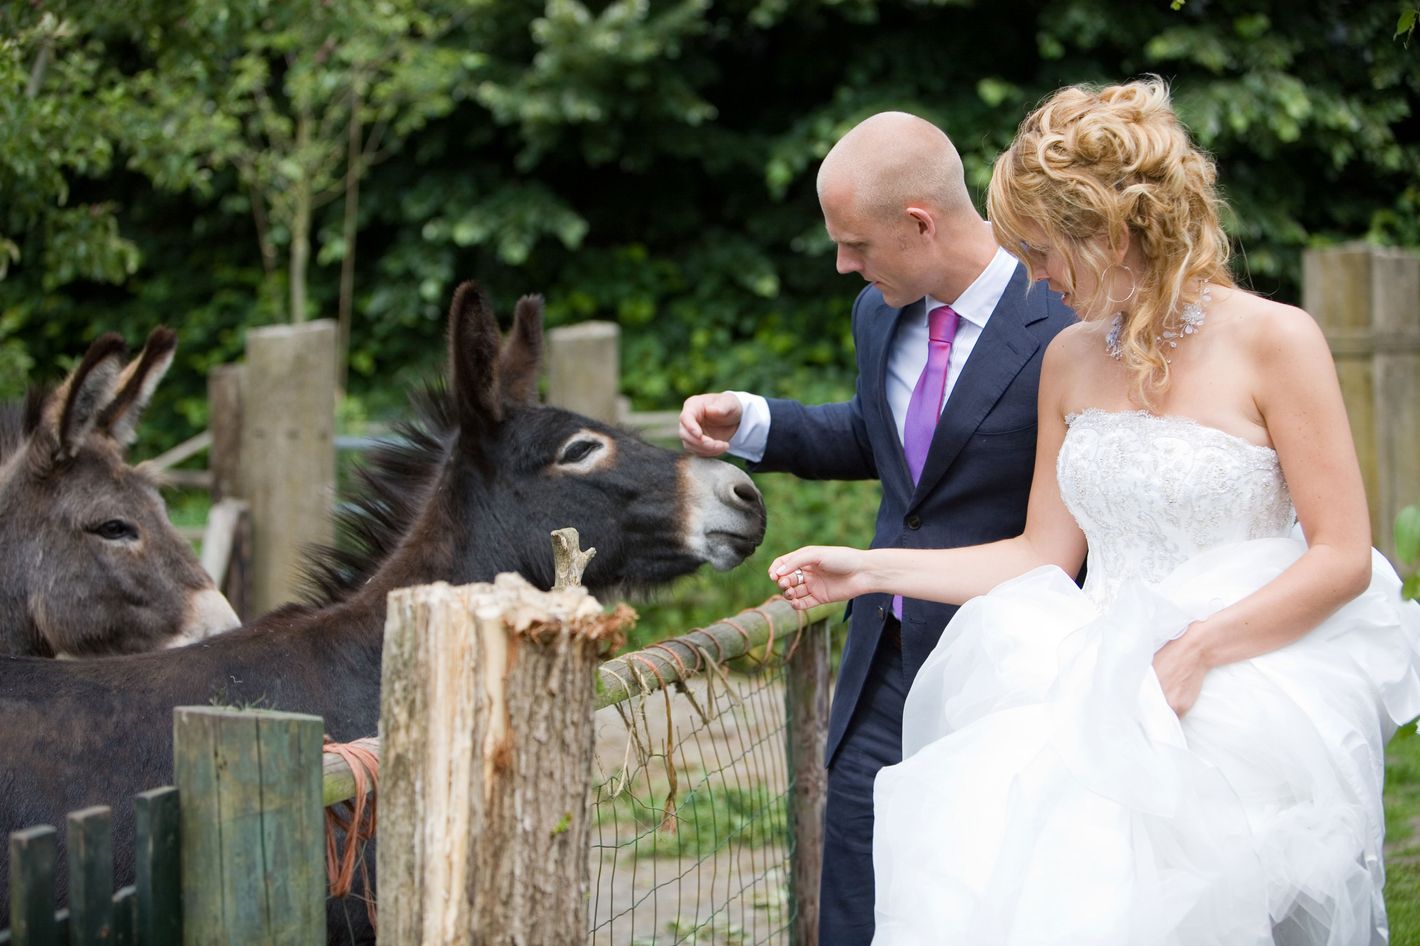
x,y
708,421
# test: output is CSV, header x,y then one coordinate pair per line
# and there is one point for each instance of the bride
x,y
1188,750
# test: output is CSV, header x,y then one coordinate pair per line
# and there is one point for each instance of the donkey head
x,y
520,470
89,562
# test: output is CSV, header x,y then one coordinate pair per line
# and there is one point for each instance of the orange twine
x,y
355,817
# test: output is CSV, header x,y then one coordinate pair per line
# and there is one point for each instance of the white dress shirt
x,y
906,359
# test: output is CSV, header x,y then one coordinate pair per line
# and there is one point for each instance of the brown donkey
x,y
89,563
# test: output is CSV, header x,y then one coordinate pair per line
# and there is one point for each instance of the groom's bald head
x,y
894,160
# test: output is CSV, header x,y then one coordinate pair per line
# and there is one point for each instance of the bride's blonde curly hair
x,y
1112,162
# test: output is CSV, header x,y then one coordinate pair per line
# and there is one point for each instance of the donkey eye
x,y
578,450
115,529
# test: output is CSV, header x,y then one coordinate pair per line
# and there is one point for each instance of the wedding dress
x,y
1048,795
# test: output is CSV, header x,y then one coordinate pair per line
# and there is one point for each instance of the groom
x,y
949,343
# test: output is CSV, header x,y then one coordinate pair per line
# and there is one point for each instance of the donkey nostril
x,y
747,494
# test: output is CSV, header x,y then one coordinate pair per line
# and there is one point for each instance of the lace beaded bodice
x,y
1151,491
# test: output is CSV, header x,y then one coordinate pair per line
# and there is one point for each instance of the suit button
x,y
882,615
914,522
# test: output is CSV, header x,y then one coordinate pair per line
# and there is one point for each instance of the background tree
x,y
646,161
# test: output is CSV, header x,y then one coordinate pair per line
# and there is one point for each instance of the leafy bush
x,y
1407,548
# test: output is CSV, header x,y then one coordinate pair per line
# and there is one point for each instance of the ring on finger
x,y
798,576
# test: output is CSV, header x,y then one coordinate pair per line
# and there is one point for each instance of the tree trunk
x,y
301,213
348,232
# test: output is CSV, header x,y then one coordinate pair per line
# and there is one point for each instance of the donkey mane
x,y
391,484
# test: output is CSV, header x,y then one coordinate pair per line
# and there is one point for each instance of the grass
x,y
1402,815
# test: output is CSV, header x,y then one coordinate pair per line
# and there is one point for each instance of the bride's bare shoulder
x,y
1267,330
1076,339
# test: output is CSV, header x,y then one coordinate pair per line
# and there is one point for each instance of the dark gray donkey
x,y
89,562
471,491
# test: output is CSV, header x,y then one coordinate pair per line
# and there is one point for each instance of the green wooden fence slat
x,y
125,917
251,832
159,877
34,861
293,827
90,877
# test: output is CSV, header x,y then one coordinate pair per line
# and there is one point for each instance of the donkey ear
x,y
136,385
73,410
473,359
521,357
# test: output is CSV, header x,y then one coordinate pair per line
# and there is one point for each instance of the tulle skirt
x,y
1048,794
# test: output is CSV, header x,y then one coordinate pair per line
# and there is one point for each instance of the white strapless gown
x,y
1048,795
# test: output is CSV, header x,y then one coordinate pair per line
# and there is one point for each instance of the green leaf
x,y
1406,24
1407,535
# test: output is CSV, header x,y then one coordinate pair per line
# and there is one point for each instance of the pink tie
x,y
926,405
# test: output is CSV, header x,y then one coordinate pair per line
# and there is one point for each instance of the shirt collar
x,y
981,298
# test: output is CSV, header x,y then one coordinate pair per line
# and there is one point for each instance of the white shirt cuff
x,y
753,434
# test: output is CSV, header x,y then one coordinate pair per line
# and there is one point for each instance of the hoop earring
x,y
1133,284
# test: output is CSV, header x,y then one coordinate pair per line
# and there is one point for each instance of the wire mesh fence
x,y
695,837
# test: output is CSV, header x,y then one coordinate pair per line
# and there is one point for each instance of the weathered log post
x,y
287,465
807,682
1367,300
584,369
487,748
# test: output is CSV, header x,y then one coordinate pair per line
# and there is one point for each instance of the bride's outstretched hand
x,y
819,574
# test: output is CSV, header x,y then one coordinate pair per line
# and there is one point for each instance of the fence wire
x,y
690,837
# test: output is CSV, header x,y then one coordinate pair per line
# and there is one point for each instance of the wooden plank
x,y
158,864
224,402
34,863
186,450
125,917
808,681
293,827
219,536
90,876
253,876
243,886
200,831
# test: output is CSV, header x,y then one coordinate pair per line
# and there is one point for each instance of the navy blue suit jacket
x,y
977,475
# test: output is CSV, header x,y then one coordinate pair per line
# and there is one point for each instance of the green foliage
x,y
1407,548
646,161
1402,845
1405,26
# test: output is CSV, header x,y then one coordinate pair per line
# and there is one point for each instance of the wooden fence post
x,y
287,451
807,682
1367,301
252,831
486,743
584,369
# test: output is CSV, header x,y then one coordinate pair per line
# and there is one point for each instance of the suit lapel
x,y
997,357
894,319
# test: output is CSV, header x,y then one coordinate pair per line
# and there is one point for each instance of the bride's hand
x,y
1180,667
819,574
